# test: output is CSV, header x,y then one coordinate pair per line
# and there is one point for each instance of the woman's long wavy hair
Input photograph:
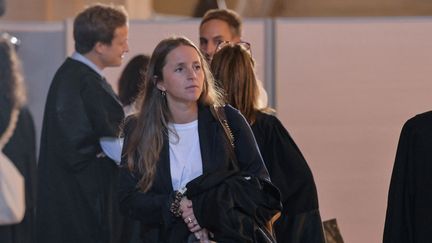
x,y
145,141
233,70
12,88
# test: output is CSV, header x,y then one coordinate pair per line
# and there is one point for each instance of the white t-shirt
x,y
185,154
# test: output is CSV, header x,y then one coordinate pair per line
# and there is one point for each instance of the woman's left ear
x,y
159,83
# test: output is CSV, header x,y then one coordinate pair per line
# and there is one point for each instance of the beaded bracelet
x,y
175,205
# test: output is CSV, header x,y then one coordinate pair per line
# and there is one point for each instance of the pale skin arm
x,y
191,222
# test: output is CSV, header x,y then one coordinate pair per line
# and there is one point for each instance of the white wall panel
x,y
344,88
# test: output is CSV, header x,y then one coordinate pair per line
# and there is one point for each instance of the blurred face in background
x,y
212,33
111,55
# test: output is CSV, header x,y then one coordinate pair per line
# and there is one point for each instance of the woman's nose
x,y
191,73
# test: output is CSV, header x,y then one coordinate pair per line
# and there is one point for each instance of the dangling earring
x,y
163,93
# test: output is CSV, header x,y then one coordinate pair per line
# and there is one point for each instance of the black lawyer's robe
x,y
409,206
76,187
152,207
300,220
21,150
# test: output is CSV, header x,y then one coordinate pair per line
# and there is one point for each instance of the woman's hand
x,y
189,216
203,236
190,220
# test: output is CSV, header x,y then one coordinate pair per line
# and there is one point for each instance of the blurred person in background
x,y
80,149
409,212
220,25
300,221
130,84
131,81
21,147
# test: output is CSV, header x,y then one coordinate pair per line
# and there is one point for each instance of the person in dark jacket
x,y
300,221
173,139
130,83
21,147
77,173
409,211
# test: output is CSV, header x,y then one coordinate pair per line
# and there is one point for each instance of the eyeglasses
x,y
245,45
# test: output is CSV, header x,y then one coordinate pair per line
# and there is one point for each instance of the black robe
x,y
77,186
300,221
409,206
21,150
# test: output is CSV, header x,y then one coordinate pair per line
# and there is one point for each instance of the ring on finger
x,y
189,220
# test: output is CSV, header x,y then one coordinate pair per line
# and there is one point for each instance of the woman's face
x,y
183,76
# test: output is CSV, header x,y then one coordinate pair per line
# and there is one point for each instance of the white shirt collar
x,y
80,58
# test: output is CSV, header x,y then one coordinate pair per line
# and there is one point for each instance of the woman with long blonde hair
x,y
175,138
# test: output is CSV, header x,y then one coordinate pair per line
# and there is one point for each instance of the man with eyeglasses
x,y
223,25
